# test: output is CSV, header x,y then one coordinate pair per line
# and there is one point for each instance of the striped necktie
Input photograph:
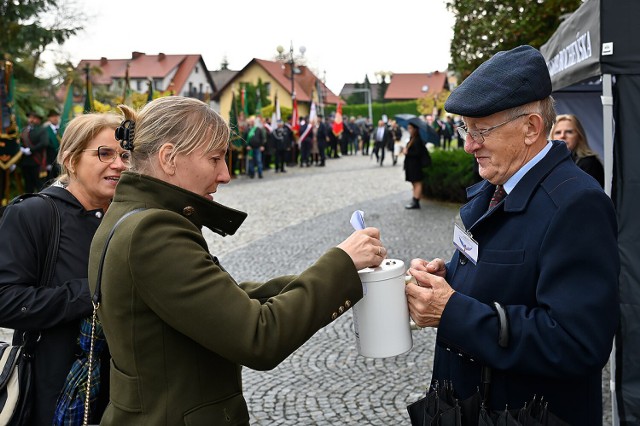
x,y
498,195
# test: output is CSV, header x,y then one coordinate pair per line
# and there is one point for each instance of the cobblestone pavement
x,y
295,217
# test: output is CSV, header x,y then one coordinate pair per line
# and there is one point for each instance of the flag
x,y
243,101
149,89
312,112
275,116
235,141
295,120
338,125
258,102
67,109
126,94
88,97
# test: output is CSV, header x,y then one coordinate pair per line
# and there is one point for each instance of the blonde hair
x,y
187,123
582,148
77,136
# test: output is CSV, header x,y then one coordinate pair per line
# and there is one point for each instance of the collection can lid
x,y
389,268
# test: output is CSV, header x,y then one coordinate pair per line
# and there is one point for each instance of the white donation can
x,y
381,317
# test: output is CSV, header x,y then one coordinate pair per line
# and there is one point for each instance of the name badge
x,y
467,245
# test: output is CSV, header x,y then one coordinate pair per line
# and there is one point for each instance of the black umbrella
x,y
427,133
441,407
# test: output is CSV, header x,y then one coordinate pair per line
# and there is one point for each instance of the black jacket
x,y
55,311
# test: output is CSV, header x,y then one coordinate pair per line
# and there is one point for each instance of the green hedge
x,y
377,109
450,174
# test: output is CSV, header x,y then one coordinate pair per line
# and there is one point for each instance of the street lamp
x,y
382,79
291,60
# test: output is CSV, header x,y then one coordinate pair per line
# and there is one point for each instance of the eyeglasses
x,y
478,135
108,155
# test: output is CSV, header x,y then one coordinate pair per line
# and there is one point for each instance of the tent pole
x,y
607,125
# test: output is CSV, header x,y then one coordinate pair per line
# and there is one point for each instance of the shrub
x,y
450,174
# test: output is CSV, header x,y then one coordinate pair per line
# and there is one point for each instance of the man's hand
x,y
428,298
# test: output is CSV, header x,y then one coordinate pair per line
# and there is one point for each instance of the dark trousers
x,y
32,180
305,148
378,151
280,159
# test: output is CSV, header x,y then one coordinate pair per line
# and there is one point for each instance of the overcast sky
x,y
345,39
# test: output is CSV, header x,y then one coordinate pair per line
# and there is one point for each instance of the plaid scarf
x,y
70,404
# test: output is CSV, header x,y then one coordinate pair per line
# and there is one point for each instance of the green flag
x,y
235,139
88,98
67,109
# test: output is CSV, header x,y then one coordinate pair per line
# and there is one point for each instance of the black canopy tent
x,y
600,40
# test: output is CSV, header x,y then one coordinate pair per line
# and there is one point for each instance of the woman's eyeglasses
x,y
108,155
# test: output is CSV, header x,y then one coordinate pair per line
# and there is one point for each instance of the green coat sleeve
x,y
254,325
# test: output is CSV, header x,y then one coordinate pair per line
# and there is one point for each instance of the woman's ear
x,y
167,162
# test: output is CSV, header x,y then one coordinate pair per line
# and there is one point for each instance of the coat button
x,y
347,303
334,316
463,260
341,309
188,211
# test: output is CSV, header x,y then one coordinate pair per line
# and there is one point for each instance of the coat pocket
x,y
124,391
231,411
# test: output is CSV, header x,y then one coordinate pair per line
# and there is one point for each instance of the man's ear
x,y
535,127
167,162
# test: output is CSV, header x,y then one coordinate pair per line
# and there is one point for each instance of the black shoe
x,y
259,176
415,204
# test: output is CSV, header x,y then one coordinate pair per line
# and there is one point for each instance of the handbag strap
x,y
95,300
97,295
48,269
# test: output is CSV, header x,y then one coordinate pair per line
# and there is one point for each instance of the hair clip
x,y
125,133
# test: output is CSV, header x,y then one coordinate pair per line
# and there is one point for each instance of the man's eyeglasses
x,y
478,135
108,155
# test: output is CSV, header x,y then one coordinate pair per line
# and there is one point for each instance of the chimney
x,y
161,57
103,61
136,55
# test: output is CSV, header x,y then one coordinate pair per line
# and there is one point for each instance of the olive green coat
x,y
179,327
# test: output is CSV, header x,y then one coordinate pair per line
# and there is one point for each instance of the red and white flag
x,y
338,125
295,120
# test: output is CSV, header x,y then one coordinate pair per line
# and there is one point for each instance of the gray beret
x,y
509,79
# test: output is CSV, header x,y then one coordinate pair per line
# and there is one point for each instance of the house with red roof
x,y
277,78
184,75
405,87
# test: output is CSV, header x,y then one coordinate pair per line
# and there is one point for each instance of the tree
x,y
484,27
27,28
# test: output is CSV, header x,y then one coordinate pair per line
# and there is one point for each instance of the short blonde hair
x,y
187,123
77,136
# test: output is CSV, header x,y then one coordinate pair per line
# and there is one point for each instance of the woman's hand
x,y
365,248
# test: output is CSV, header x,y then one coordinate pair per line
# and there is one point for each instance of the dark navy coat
x,y
548,253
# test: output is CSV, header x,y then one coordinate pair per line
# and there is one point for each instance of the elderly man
x,y
530,295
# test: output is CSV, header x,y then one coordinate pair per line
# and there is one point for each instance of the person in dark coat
x,y
91,163
179,326
531,293
416,158
569,129
34,142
